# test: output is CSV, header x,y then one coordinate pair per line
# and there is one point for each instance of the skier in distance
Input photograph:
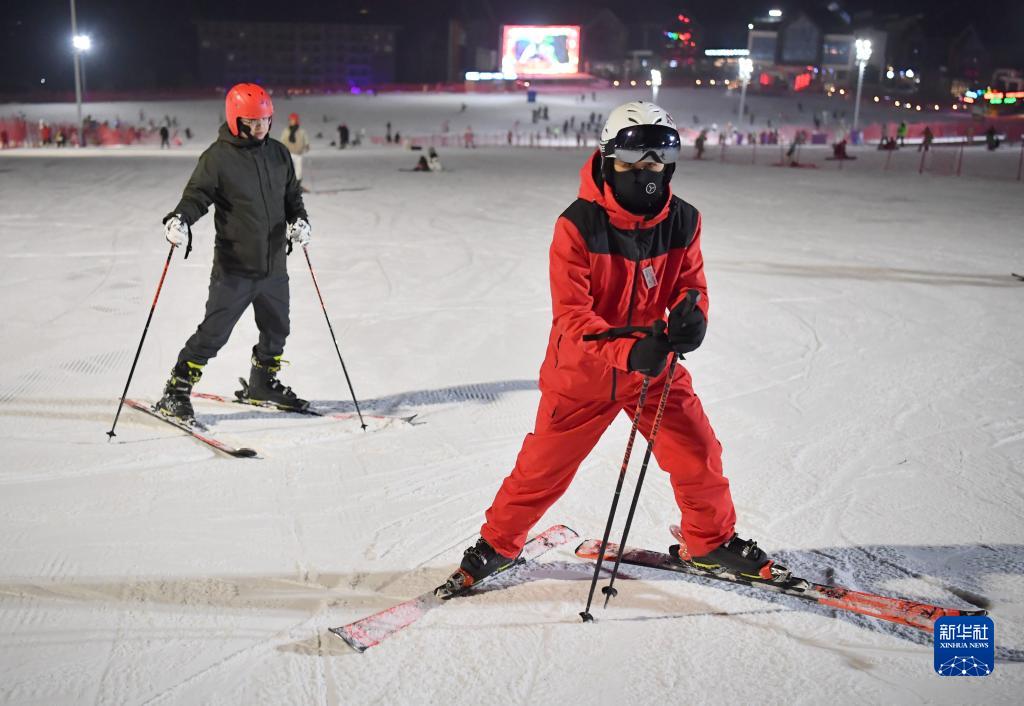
x,y
250,179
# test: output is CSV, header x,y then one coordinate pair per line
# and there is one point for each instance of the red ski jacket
x,y
611,268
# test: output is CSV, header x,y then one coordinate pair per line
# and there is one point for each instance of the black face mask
x,y
639,191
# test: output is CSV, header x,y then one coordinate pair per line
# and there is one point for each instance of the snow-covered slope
x,y
863,370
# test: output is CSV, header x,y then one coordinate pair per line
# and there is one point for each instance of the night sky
x,y
143,44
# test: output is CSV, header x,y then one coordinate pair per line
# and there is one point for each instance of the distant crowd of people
x,y
20,132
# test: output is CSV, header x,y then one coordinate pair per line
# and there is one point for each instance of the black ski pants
x,y
230,295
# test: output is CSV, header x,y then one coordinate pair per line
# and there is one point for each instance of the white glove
x,y
176,231
299,232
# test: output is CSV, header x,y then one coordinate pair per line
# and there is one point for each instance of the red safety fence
x,y
952,159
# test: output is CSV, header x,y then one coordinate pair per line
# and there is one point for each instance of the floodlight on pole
x,y
655,84
746,68
863,47
81,43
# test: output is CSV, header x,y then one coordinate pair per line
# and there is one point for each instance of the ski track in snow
x,y
862,370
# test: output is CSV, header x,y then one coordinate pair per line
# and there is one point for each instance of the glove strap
x,y
188,248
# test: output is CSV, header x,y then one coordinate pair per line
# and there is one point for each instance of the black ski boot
x,y
740,557
177,399
478,562
263,386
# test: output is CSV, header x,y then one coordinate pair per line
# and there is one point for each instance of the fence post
x,y
960,159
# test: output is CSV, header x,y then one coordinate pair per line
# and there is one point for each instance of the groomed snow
x,y
863,370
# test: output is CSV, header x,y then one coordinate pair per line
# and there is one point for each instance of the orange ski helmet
x,y
246,100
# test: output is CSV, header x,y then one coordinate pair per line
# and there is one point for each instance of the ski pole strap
x,y
188,248
290,246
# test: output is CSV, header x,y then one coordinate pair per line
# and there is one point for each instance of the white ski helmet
x,y
636,131
629,115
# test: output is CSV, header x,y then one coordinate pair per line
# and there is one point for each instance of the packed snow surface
x,y
863,369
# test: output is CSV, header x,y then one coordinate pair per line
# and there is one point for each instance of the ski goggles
x,y
639,142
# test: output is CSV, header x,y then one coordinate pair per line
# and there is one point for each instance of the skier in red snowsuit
x,y
624,253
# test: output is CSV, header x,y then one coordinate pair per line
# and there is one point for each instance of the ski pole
x,y
689,302
305,251
587,617
170,254
609,590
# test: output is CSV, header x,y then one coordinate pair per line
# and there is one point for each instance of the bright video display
x,y
540,50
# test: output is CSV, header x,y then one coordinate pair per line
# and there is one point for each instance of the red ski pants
x,y
566,432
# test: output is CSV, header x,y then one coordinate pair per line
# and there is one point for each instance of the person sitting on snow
x,y
433,161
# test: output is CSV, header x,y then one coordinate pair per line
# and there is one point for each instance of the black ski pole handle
x,y
626,332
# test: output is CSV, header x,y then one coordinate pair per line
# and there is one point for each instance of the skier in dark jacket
x,y
251,180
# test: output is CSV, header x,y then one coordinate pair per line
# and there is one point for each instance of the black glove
x,y
650,355
686,324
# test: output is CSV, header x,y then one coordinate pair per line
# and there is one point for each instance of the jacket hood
x,y
593,188
224,135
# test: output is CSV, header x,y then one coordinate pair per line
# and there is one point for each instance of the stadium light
x,y
863,47
746,70
655,84
863,50
775,13
81,43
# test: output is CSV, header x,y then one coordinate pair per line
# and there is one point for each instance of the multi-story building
x,y
296,54
811,46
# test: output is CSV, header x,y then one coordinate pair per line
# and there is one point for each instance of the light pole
x,y
863,55
655,84
746,71
81,43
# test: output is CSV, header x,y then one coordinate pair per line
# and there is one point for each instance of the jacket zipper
x,y
263,196
632,300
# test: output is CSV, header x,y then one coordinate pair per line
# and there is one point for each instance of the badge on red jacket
x,y
649,277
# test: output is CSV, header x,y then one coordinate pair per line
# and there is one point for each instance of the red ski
x,y
309,411
196,431
895,610
371,630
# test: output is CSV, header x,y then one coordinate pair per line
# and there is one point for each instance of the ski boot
x,y
263,386
177,399
478,562
739,557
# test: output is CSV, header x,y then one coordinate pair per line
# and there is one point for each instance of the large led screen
x,y
535,50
